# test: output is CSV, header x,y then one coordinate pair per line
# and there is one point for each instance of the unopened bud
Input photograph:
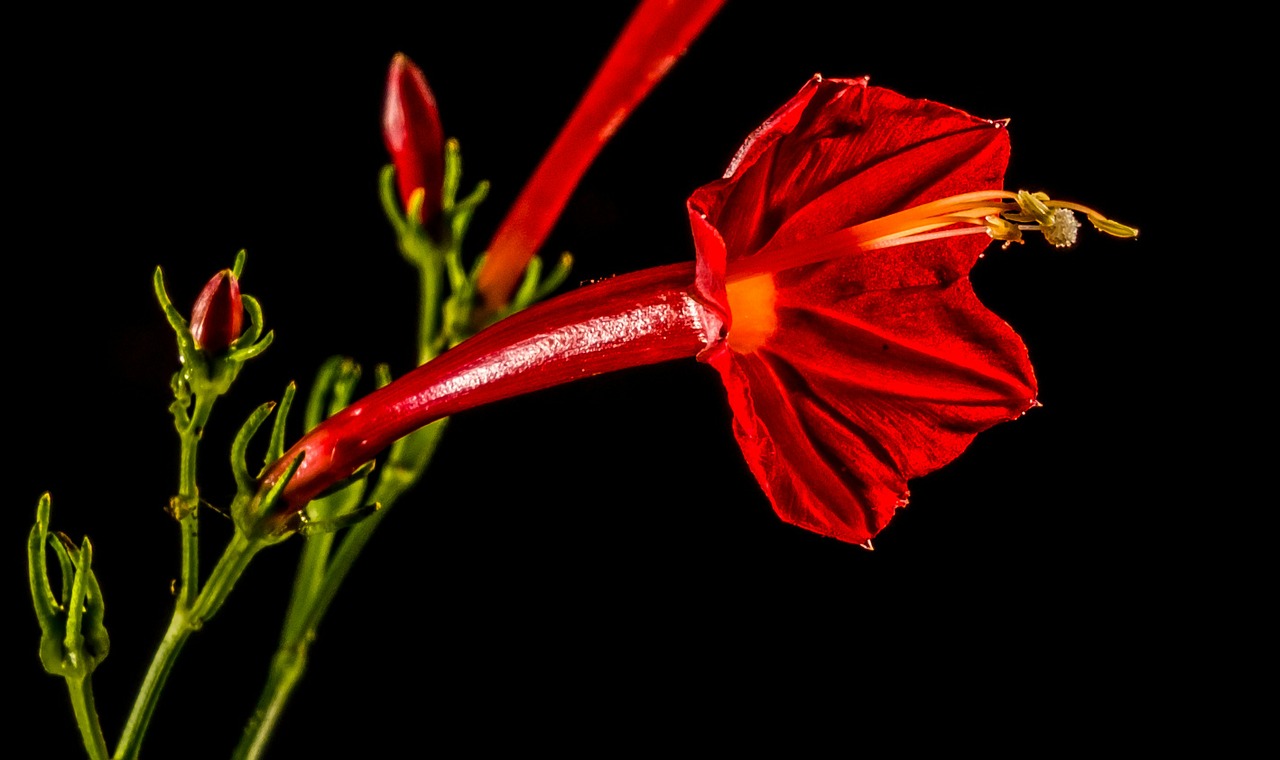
x,y
218,316
414,137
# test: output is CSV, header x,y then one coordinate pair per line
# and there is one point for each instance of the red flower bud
x,y
218,316
414,137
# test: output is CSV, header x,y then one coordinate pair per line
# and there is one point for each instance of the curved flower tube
x,y
641,318
657,34
830,291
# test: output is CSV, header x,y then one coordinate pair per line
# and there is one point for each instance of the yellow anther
x,y
1000,228
1112,228
1058,222
1033,206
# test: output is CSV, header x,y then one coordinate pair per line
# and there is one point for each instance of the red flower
x,y
851,370
655,36
830,291
411,129
218,315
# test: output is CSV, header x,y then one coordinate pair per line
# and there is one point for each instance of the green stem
x,y
320,585
287,667
185,622
315,555
397,478
290,660
81,690
320,577
189,500
431,280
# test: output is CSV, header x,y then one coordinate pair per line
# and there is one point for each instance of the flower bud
x,y
414,137
218,316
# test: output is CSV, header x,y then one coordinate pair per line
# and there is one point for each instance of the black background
x,y
596,554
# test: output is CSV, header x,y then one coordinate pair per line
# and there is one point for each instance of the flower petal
x,y
858,392
840,153
883,364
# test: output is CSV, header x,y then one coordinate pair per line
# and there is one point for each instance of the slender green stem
x,y
315,555
185,621
287,667
395,481
81,690
189,525
431,280
188,507
149,693
317,585
290,660
321,572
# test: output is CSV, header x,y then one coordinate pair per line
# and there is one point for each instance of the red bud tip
x,y
411,129
218,316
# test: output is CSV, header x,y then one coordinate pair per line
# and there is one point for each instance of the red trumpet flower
x,y
830,291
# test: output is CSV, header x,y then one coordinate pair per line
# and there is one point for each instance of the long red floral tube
x,y
657,34
636,319
830,291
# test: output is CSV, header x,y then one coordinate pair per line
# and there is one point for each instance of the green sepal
x,y
62,547
275,449
310,527
240,446
360,474
254,310
186,343
46,604
269,500
252,510
277,488
452,173
528,289
461,213
457,310
242,355
344,386
73,639
533,288
390,200
95,632
316,401
248,344
332,389
73,642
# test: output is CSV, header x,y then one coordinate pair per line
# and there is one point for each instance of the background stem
x,y
181,626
